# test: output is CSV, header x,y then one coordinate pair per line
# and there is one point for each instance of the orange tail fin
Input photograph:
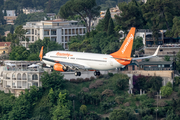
x,y
41,53
126,47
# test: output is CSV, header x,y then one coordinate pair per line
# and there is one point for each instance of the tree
x,y
83,109
11,29
19,53
84,8
166,91
106,20
167,58
62,112
175,28
53,80
147,117
131,15
119,114
51,96
171,115
111,27
177,62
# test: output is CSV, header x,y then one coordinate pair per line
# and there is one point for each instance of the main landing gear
x,y
77,73
96,73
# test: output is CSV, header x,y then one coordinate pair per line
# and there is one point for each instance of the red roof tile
x,y
5,43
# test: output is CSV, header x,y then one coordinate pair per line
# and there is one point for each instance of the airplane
x,y
78,61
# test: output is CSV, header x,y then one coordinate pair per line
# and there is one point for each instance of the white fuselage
x,y
90,61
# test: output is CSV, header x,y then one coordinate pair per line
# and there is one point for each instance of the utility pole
x,y
157,106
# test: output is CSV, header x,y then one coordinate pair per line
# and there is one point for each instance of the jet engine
x,y
59,67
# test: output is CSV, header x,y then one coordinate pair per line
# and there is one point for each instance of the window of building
x,y
66,46
53,32
34,77
162,65
32,31
159,65
46,32
53,39
32,38
35,84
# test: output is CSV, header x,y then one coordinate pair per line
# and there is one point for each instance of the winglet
x,y
156,52
41,53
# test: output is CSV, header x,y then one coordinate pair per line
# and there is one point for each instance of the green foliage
x,y
48,46
171,115
176,80
169,84
178,61
176,25
83,109
19,53
147,117
167,58
110,30
107,20
53,80
51,96
166,90
131,15
138,43
119,114
61,113
89,8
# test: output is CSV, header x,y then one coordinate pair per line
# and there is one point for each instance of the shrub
x,y
108,92
119,99
119,114
110,74
83,109
92,78
99,82
148,117
86,79
166,91
85,89
122,84
92,85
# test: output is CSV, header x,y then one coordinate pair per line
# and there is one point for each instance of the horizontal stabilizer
x,y
155,54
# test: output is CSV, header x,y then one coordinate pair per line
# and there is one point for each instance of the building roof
x,y
5,43
156,62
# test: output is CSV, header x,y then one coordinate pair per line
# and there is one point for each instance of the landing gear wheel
x,y
77,73
51,70
96,73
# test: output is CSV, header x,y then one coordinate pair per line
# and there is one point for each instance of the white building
x,y
29,10
16,76
57,30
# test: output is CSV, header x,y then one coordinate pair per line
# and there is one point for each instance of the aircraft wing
x,y
75,66
155,54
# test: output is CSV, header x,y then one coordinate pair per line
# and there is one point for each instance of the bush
x,y
92,78
108,92
119,114
148,117
83,109
110,74
119,99
166,91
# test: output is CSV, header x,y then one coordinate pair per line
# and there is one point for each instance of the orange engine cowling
x,y
59,67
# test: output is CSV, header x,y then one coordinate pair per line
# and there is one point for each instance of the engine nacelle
x,y
59,67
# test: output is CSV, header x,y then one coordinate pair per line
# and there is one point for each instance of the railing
x,y
17,69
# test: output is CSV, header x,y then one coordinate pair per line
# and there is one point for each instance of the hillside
x,y
93,99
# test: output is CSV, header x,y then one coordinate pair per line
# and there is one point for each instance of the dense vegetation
x,y
90,99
